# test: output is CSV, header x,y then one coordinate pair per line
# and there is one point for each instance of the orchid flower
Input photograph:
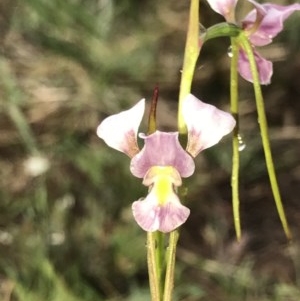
x,y
162,161
261,25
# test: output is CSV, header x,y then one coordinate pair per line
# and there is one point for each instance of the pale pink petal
x,y
162,149
223,7
151,216
161,209
272,17
119,131
146,213
206,124
265,67
173,215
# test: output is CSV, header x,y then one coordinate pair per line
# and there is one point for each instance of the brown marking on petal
x,y
193,146
131,148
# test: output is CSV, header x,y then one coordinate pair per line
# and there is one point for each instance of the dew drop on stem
x,y
229,52
242,144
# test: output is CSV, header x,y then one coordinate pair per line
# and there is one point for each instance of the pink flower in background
x,y
262,24
226,8
162,161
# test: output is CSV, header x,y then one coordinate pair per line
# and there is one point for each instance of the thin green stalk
x,y
160,259
221,30
152,267
191,53
264,133
171,257
234,106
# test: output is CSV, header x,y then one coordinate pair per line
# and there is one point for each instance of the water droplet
x,y
229,52
242,144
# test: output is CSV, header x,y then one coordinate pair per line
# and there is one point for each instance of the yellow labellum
x,y
163,179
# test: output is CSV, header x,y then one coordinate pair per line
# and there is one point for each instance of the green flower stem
x,y
222,30
160,259
171,257
234,106
233,31
264,132
191,53
152,267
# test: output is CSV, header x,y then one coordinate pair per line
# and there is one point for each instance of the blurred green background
x,y
66,229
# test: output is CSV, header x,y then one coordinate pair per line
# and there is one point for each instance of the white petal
x,y
206,124
146,214
119,131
